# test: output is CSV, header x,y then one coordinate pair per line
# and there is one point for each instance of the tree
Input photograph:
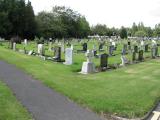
x,y
123,33
140,33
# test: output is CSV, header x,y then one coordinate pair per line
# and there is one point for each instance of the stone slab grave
x,y
104,61
41,50
88,67
124,60
57,54
68,56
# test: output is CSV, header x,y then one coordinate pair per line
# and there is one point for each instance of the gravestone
x,y
100,47
146,48
140,55
136,48
88,67
57,53
14,46
84,47
68,56
50,44
129,43
133,56
123,51
124,60
25,41
104,61
41,50
111,49
157,51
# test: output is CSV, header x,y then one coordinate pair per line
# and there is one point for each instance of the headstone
x,y
146,48
50,44
124,60
14,46
100,47
111,49
140,55
104,61
133,56
41,50
153,51
85,47
25,41
68,56
88,67
57,53
136,49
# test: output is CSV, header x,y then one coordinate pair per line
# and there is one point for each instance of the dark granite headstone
x,y
134,56
146,48
104,61
140,55
101,47
136,49
84,47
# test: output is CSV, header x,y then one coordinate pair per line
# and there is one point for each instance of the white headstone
x,y
14,46
88,67
40,49
30,52
25,41
72,47
68,56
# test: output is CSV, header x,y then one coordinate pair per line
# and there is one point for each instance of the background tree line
x,y
17,18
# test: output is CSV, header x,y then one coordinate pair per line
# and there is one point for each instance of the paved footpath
x,y
42,102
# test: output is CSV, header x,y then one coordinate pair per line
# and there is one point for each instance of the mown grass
x,y
129,92
10,108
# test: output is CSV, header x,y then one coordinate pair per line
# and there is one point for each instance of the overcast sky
x,y
110,12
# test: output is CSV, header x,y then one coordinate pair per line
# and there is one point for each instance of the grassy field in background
x,y
129,92
10,108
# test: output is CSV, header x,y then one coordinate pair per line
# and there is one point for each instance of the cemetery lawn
x,y
128,92
10,108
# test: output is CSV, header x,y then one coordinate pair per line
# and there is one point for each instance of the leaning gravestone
x,y
41,50
104,61
57,53
30,52
88,67
68,56
140,55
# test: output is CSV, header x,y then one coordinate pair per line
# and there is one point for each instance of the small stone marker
x,y
68,56
88,67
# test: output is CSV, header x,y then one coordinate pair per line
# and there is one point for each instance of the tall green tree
x,y
123,32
